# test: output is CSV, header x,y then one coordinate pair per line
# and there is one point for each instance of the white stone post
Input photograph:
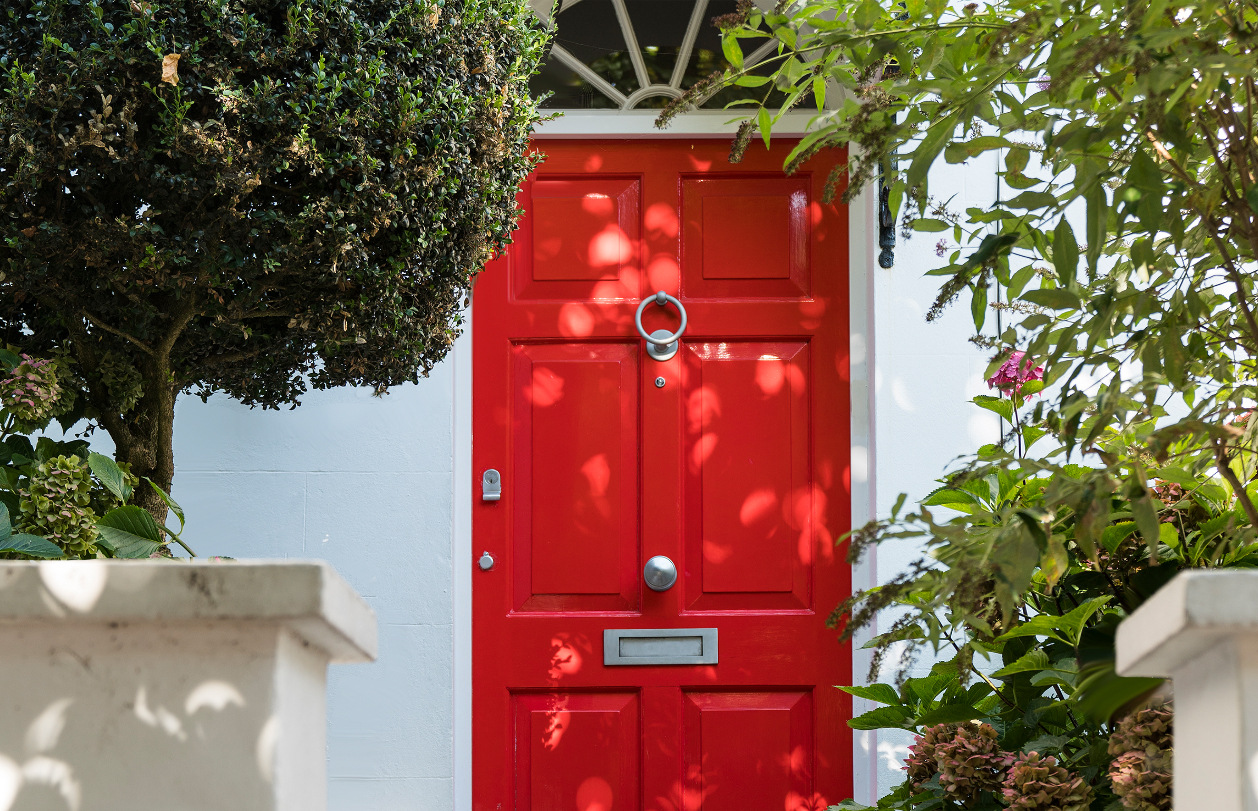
x,y
170,686
1201,631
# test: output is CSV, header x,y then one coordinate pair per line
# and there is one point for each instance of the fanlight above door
x,y
626,54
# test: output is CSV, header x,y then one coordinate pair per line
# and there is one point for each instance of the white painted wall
x,y
366,484
924,376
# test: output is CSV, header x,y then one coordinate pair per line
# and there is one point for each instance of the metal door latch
x,y
491,485
485,562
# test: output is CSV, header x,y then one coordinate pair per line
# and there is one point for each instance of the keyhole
x,y
659,382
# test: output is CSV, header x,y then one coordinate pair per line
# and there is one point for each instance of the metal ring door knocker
x,y
661,344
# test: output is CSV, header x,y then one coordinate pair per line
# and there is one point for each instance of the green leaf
x,y
1146,516
1098,212
1065,628
110,475
882,693
929,226
1016,159
950,714
949,497
32,545
1033,200
867,14
9,360
6,527
1032,662
1115,534
992,246
1055,298
1065,253
733,51
131,530
169,502
766,124
998,405
978,306
881,718
926,152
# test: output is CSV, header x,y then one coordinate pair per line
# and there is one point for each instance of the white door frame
x,y
862,259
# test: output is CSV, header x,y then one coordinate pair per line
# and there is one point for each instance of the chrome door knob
x,y
659,573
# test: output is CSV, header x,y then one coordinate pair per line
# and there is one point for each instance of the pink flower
x,y
1013,373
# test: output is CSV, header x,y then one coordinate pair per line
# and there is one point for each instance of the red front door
x,y
730,458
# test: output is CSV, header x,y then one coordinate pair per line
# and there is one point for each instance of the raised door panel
x,y
576,477
749,512
746,237
577,751
750,750
579,239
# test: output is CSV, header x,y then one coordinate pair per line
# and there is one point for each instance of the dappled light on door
x,y
726,456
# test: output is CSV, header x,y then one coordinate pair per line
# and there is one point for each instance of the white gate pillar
x,y
171,685
1201,631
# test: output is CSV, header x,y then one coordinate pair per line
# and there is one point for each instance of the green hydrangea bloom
x,y
56,503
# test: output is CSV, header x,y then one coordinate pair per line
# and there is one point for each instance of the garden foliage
x,y
250,196
1121,256
59,499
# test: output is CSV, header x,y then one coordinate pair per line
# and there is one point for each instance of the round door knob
x,y
486,562
659,573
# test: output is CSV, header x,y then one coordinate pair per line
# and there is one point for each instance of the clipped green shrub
x,y
250,196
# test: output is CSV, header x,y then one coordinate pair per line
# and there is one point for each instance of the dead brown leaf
x,y
170,68
28,232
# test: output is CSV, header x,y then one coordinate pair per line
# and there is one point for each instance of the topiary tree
x,y
250,196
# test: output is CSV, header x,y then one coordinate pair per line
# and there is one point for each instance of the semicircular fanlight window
x,y
627,54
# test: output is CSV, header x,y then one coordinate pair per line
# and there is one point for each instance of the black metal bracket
x,y
886,222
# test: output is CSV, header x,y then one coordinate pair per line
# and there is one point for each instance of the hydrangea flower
x,y
1141,772
1013,373
55,503
31,389
1037,783
965,756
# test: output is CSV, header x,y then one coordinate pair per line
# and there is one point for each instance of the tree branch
x,y
1225,470
96,322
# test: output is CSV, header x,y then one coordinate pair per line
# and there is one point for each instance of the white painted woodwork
x,y
1201,631
170,684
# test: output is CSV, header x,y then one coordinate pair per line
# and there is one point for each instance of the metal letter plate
x,y
659,646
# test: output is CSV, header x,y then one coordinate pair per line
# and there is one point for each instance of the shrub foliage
x,y
250,196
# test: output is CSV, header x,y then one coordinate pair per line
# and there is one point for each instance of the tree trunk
x,y
149,449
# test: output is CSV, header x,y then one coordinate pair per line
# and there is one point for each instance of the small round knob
x,y
659,382
659,573
486,561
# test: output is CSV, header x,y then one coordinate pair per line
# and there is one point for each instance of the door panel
x,y
735,467
576,412
749,750
748,491
580,241
577,750
717,259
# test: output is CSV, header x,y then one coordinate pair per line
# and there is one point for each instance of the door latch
x,y
491,485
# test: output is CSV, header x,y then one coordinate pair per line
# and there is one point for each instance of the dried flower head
x,y
1141,772
970,762
920,764
1039,784
966,758
1014,372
